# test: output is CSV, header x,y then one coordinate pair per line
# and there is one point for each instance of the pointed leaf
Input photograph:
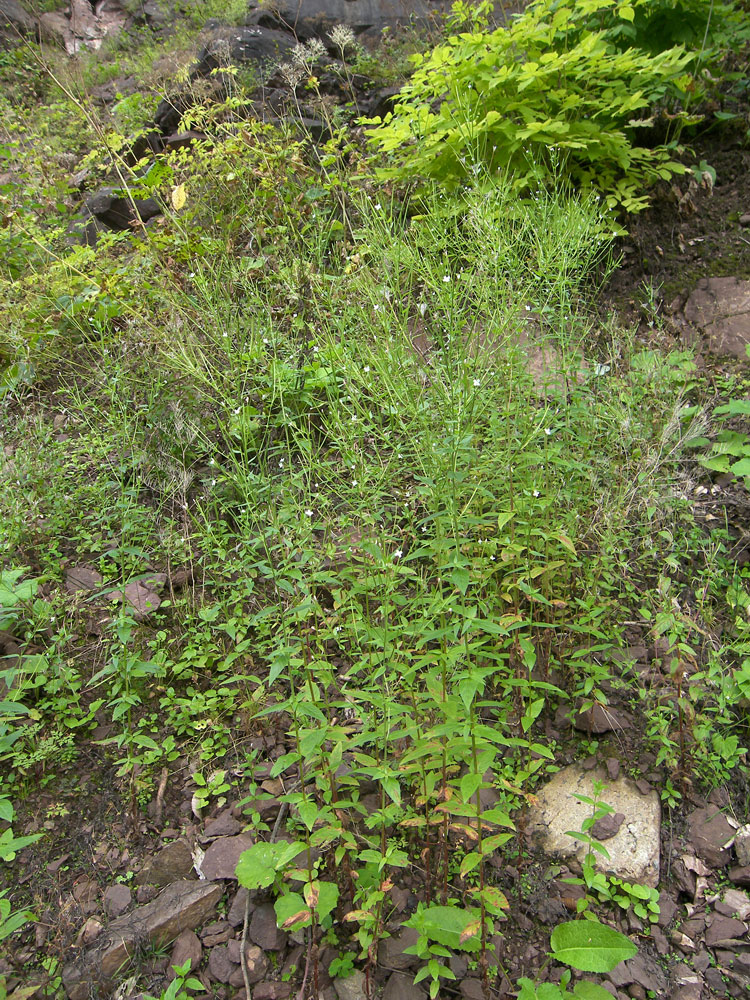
x,y
589,946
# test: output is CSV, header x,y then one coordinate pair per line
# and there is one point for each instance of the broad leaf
x,y
590,946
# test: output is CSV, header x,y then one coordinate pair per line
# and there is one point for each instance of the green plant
x,y
442,930
549,96
588,946
180,985
727,452
642,899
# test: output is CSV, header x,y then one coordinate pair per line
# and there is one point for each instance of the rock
x,y
391,950
89,932
471,989
14,19
220,966
634,850
117,899
709,834
172,863
724,932
181,906
601,719
187,947
272,991
742,845
86,894
238,46
256,961
401,987
220,860
715,981
667,909
606,827
744,219
719,309
118,212
315,18
180,140
263,929
82,578
613,768
734,904
740,875
236,912
351,988
225,825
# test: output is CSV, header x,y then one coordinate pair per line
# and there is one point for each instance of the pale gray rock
x,y
633,851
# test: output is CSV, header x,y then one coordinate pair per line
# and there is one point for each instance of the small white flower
x,y
446,278
308,513
422,308
528,309
367,368
354,482
548,431
281,463
536,493
398,553
476,383
378,206
265,340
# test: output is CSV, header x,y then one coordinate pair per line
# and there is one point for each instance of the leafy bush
x,y
551,94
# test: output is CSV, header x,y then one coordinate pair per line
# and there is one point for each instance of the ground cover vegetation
x,y
405,491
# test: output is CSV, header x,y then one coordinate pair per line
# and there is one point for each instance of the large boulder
x,y
108,206
315,18
14,20
254,44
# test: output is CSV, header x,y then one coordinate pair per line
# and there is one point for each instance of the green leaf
x,y
446,924
292,912
460,578
258,865
589,946
741,468
590,991
308,813
328,897
469,784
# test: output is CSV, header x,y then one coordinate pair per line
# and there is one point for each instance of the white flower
x,y
378,206
342,36
476,383
354,482
548,431
536,493
422,308
367,368
446,278
398,553
308,513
